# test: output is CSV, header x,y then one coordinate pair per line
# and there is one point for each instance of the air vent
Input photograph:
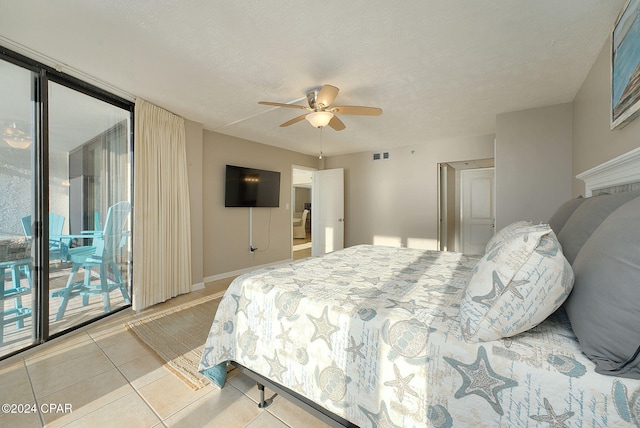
x,y
381,156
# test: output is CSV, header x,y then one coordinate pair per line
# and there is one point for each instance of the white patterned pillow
x,y
515,286
506,233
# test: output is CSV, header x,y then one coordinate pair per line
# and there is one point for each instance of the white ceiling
x,y
438,69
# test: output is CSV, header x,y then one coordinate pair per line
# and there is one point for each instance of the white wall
x,y
394,202
533,163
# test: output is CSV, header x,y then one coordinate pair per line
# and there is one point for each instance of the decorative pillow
x,y
506,233
586,218
562,214
515,286
604,306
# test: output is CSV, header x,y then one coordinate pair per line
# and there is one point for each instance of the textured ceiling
x,y
438,69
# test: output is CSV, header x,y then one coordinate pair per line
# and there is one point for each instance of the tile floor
x,y
108,379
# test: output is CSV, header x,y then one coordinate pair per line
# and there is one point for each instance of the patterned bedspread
x,y
372,334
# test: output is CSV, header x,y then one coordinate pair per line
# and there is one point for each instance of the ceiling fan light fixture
x,y
319,119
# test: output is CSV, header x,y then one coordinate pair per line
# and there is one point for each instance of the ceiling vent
x,y
381,156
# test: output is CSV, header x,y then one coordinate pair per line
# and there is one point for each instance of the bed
x,y
378,336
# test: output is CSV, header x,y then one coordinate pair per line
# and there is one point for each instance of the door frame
x,y
443,206
448,200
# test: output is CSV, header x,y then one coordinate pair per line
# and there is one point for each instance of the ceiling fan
x,y
321,112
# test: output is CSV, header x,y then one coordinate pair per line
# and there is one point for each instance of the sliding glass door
x,y
89,185
17,178
65,204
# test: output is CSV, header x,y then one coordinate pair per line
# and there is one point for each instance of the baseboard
x,y
198,286
242,271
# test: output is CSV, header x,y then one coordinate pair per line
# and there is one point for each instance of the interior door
x,y
477,210
327,203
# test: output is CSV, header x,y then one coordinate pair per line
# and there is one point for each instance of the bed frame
x,y
304,403
621,174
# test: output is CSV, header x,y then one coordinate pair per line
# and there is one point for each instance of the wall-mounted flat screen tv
x,y
250,187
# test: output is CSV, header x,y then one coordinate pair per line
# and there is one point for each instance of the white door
x,y
327,206
477,209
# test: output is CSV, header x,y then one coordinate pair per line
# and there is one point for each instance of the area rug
x,y
177,336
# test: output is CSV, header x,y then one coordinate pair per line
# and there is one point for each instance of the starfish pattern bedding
x,y
372,334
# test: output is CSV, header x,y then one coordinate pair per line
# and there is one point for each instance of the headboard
x,y
620,174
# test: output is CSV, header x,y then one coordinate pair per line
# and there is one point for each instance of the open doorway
x,y
301,211
466,205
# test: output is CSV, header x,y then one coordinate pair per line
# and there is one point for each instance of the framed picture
x,y
625,66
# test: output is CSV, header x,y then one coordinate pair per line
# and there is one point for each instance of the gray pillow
x,y
562,214
604,306
586,218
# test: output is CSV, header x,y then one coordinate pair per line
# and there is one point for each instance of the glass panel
x,y
16,204
89,188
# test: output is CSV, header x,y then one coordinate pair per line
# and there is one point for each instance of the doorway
x,y
302,185
466,206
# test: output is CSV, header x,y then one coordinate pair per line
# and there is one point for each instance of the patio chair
x,y
58,247
101,255
15,255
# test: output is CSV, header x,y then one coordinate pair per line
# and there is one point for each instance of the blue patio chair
x,y
101,255
58,247
15,255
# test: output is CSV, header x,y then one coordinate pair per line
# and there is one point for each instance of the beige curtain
x,y
161,214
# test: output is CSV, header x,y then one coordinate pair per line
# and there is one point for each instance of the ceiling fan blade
x,y
327,94
269,103
294,120
336,123
357,110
